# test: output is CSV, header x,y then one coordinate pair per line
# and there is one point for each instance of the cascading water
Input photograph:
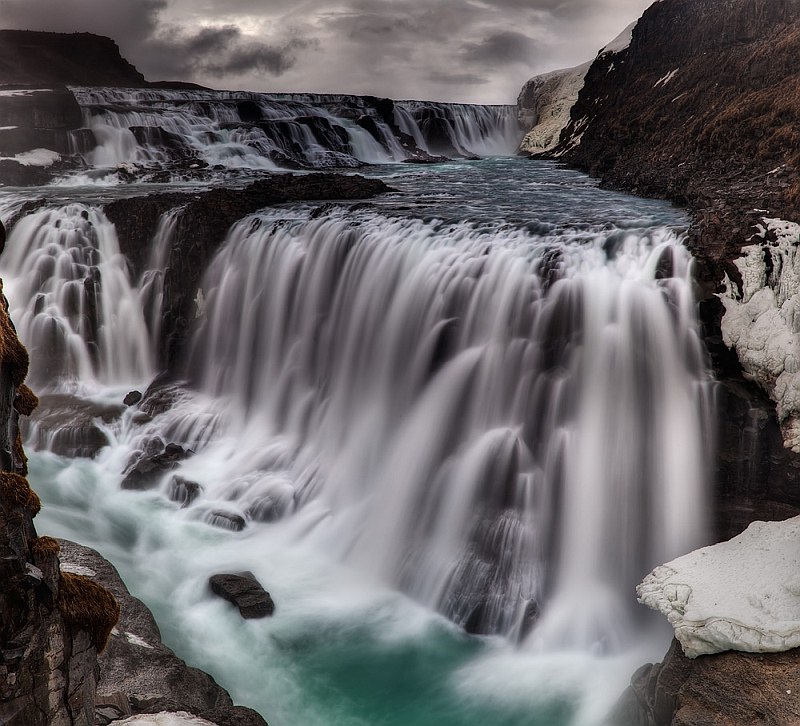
x,y
154,128
502,420
74,303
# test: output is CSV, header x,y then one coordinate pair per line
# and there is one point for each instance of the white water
x,y
412,416
153,128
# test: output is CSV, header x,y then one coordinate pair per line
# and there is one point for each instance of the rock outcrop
x,y
728,689
37,59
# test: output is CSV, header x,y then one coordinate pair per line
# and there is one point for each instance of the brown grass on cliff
x,y
26,401
17,492
44,547
85,605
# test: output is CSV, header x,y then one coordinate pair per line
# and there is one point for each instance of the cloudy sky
x,y
478,51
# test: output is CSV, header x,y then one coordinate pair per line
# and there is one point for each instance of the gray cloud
x,y
501,48
458,50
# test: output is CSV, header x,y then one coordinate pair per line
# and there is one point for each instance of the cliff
x,y
29,58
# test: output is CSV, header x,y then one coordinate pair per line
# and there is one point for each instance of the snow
x,y
24,92
621,42
743,594
77,569
664,80
179,718
555,98
762,323
134,639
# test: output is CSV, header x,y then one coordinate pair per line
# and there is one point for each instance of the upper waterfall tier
x,y
242,130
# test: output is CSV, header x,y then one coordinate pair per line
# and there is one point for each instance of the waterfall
x,y
489,420
477,404
163,128
73,301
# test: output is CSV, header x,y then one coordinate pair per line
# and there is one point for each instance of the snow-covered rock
x,y
762,319
544,106
743,594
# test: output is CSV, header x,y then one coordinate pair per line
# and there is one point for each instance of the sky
x,y
471,51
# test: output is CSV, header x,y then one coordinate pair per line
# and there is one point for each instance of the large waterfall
x,y
503,422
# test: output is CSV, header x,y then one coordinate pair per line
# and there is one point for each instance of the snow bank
x,y
762,319
743,594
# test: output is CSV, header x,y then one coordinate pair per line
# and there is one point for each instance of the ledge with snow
x,y
743,594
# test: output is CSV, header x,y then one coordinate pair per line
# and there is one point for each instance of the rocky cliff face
x,y
544,105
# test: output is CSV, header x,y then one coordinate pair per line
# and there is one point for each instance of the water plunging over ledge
x,y
483,399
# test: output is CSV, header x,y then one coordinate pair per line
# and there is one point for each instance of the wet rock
x,y
245,592
183,491
226,520
69,426
132,398
148,468
201,230
726,689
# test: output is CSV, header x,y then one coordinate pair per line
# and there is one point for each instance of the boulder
x,y
132,398
147,468
69,426
245,592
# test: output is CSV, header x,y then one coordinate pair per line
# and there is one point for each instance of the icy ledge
x,y
743,594
762,319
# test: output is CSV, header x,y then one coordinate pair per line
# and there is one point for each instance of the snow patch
x,y
762,319
36,157
621,42
743,594
24,92
554,96
134,639
179,718
664,80
77,570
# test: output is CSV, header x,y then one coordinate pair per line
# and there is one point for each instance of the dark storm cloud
x,y
459,50
160,50
499,49
121,19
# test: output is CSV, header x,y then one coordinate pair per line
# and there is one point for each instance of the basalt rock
x,y
727,689
41,59
245,592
